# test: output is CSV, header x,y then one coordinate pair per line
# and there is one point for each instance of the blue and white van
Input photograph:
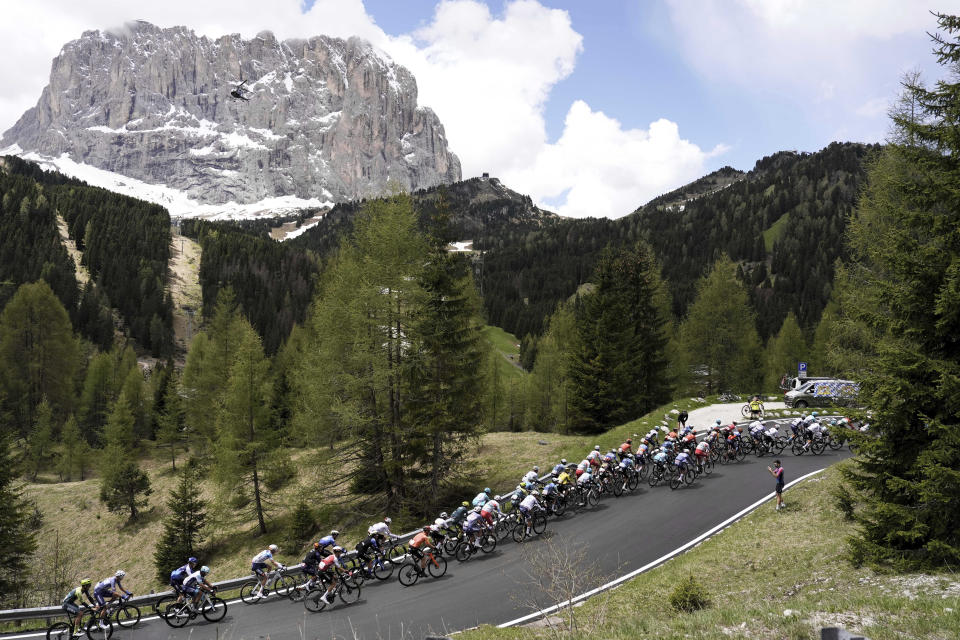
x,y
823,393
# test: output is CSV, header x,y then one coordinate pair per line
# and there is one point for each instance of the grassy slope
x,y
758,569
509,347
104,543
775,232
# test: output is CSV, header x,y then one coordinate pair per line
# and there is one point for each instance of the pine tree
x,y
547,408
40,441
123,485
17,541
302,525
182,528
822,360
244,434
719,341
118,434
785,350
170,420
75,453
38,354
900,322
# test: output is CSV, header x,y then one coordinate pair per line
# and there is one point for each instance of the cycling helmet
x,y
629,441
387,520
204,569
426,528
86,582
563,461
496,498
334,533
718,421
536,468
487,490
803,415
464,504
273,548
443,514
596,447
120,573
338,549
192,560
316,545
813,415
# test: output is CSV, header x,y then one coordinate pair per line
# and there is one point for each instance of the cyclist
x,y
527,506
610,457
459,514
326,541
178,574
382,528
310,563
756,429
196,582
813,430
482,498
550,491
626,447
73,600
756,407
532,475
328,569
702,452
490,509
109,589
582,467
770,434
420,543
561,467
660,457
372,543
795,425
682,461
472,526
690,440
260,563
626,465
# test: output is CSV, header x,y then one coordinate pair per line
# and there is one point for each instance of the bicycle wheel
x,y
464,551
382,570
689,476
250,592
127,616
214,609
450,546
539,523
177,615
488,544
708,466
519,532
436,565
797,447
504,527
298,592
818,446
408,574
780,444
618,487
633,481
676,479
59,631
160,606
745,411
97,632
397,554
283,585
654,477
313,602
834,444
349,592
741,454
560,506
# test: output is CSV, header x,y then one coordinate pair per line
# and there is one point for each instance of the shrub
x,y
278,472
689,596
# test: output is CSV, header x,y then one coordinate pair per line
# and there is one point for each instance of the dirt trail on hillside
x,y
83,276
185,289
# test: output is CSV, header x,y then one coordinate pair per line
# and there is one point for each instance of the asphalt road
x,y
617,536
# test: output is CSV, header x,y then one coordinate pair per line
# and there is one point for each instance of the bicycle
x,y
212,608
89,624
410,572
538,524
123,613
686,475
747,412
657,473
253,591
347,589
488,542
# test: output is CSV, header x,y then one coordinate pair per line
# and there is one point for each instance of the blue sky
x,y
591,107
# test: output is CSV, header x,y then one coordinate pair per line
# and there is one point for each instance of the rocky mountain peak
x,y
327,119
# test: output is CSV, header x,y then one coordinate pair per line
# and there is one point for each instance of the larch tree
x,y
785,350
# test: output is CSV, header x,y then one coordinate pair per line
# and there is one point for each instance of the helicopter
x,y
238,92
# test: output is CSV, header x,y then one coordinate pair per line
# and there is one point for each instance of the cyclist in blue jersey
x,y
561,467
482,498
109,589
177,576
327,542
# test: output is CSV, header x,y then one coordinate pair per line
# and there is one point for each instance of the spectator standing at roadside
x,y
682,420
777,472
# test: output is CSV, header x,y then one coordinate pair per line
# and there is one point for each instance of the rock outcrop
x,y
327,118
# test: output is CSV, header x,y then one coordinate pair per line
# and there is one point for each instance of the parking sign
x,y
802,369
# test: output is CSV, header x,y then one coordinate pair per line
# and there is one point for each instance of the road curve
x,y
617,536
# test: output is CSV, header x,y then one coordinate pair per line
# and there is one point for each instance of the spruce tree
x,y
75,453
17,541
182,528
302,525
123,485
40,441
900,322
170,419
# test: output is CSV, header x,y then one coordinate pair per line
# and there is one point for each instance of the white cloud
x,y
829,57
487,76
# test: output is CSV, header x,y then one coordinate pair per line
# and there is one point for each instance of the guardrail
x,y
36,613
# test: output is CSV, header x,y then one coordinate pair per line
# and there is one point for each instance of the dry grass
x,y
774,575
184,286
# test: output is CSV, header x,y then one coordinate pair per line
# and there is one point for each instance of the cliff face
x,y
327,118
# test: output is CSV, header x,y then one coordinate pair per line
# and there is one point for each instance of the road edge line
x,y
658,561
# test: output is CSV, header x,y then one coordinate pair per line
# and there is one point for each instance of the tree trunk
x,y
256,494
